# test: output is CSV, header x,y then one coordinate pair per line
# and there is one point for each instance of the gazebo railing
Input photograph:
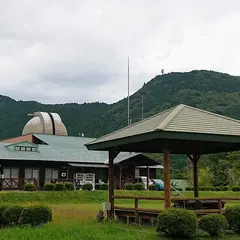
x,y
187,203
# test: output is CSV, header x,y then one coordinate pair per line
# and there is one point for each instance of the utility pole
x,y
128,97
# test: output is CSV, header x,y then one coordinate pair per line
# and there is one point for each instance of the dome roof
x,y
45,123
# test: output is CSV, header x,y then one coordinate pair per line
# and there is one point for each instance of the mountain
x,y
208,90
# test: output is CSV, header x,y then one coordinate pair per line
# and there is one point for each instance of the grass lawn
x,y
74,216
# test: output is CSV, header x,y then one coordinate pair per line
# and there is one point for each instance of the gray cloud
x,y
76,51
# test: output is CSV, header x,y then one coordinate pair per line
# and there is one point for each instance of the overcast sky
x,y
57,51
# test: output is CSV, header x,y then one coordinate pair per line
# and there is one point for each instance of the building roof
x,y
179,123
45,123
59,148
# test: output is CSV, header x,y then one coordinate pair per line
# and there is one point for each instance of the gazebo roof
x,y
135,159
182,129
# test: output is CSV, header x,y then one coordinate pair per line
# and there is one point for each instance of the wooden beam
x,y
167,187
120,176
148,177
111,155
195,158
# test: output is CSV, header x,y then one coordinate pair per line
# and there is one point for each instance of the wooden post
x,y
147,177
136,211
111,155
120,176
167,187
194,158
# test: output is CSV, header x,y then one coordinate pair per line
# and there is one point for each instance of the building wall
x,y
128,173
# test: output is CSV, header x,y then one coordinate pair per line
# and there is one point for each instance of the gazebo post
x,y
167,187
148,177
120,176
111,155
194,158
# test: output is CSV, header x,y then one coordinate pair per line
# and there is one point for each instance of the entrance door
x,y
51,174
31,174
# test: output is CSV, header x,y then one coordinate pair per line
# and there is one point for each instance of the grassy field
x,y
74,216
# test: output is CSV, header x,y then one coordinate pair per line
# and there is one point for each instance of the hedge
x,y
104,186
153,187
232,214
2,221
236,188
189,189
49,187
69,186
30,187
213,224
59,187
224,188
87,186
129,187
11,215
177,223
138,186
35,216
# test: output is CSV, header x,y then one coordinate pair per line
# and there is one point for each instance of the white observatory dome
x,y
45,123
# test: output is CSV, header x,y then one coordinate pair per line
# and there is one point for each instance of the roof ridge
x,y
212,113
172,115
143,120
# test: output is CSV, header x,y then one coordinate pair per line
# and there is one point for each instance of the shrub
x,y
49,187
177,223
59,187
69,186
236,188
11,215
87,186
30,187
204,188
179,189
2,208
153,187
213,224
224,188
189,189
104,186
138,186
35,216
217,189
232,214
129,187
212,189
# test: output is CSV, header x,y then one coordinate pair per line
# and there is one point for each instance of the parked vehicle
x,y
159,184
143,180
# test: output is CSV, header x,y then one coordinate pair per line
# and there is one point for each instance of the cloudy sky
x,y
57,51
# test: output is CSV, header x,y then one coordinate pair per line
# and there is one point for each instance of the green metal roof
x,y
60,148
179,123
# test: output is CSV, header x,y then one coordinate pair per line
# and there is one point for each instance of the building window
x,y
26,149
34,149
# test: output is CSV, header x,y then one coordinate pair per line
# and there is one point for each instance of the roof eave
x,y
114,144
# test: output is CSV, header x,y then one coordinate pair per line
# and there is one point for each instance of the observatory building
x,y
44,153
45,123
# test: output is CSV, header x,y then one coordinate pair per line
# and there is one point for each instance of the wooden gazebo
x,y
179,130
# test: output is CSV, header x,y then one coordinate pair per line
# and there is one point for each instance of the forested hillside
x,y
208,90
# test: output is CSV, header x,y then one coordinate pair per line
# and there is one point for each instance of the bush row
x,y
186,220
59,186
18,215
217,189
